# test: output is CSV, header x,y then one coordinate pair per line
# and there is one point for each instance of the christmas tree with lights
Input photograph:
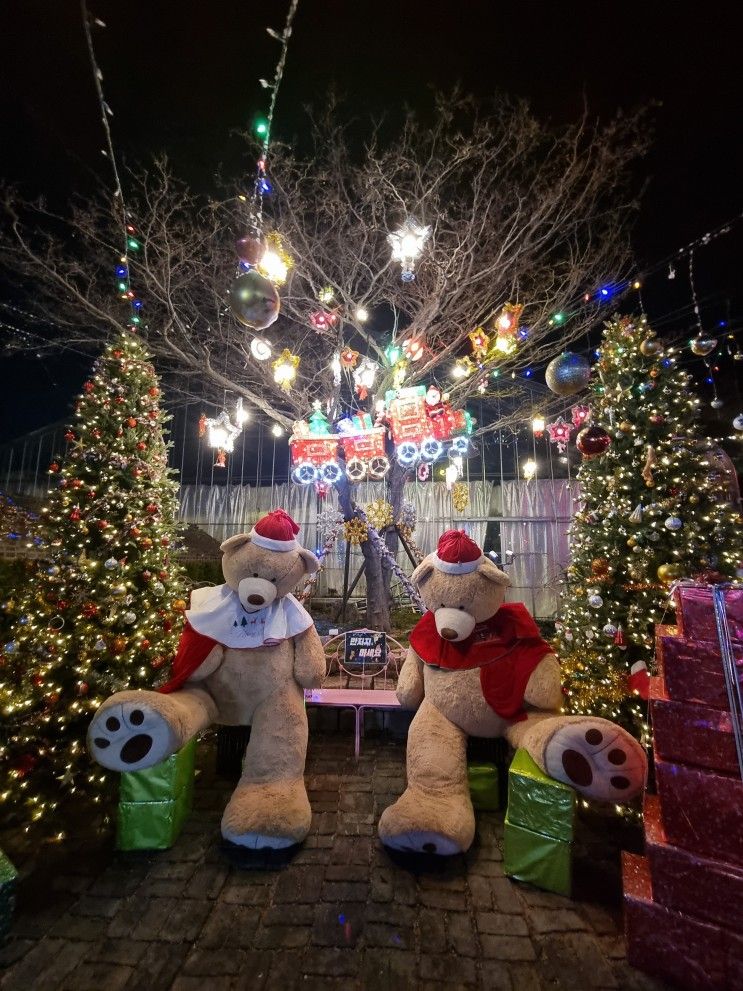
x,y
102,611
655,507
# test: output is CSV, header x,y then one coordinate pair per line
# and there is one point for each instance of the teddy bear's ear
x,y
488,570
232,543
423,572
311,564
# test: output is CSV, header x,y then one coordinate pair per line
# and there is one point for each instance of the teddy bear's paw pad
x,y
423,842
598,758
258,841
129,736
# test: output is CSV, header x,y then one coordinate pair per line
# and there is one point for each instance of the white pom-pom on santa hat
x,y
457,554
276,531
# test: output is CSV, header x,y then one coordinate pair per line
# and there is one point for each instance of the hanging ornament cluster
x,y
407,244
364,377
580,415
567,374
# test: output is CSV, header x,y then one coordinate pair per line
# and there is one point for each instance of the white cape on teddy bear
x,y
479,667
247,651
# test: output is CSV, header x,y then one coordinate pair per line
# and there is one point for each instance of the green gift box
x,y
154,803
484,782
544,861
537,802
8,885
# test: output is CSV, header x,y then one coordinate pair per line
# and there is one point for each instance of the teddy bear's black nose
x,y
448,634
256,600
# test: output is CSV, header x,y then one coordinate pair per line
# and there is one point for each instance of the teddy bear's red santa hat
x,y
276,531
457,554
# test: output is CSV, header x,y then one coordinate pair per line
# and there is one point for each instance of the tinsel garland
x,y
389,561
354,530
329,526
380,515
460,496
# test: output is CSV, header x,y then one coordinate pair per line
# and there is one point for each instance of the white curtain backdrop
x,y
529,519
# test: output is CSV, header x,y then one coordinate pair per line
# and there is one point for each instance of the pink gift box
x,y
701,811
692,671
689,733
707,889
695,613
671,945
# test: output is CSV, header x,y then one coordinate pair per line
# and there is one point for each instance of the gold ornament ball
x,y
694,499
632,542
651,348
625,426
668,573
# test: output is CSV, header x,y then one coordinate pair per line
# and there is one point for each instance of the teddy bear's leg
x,y
597,757
136,729
434,814
269,807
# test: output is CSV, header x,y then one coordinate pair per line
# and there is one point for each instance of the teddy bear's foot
x,y
131,731
424,822
596,757
274,815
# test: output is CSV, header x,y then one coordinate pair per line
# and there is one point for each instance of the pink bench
x,y
358,699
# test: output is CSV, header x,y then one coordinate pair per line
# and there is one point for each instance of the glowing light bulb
x,y
538,425
529,469
277,431
362,314
273,266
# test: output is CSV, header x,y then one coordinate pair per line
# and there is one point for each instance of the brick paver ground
x,y
340,914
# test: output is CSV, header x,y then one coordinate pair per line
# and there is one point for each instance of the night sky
x,y
180,77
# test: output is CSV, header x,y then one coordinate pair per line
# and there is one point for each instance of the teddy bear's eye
x,y
442,606
273,580
461,607
255,574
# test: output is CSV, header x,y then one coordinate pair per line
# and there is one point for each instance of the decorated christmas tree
x,y
655,507
101,612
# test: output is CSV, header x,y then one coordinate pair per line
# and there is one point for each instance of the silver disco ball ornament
x,y
568,373
738,422
674,523
254,300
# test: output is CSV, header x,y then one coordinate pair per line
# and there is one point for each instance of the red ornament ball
x,y
151,508
250,249
141,446
88,386
154,391
103,524
131,422
157,662
37,680
592,441
117,354
54,467
69,436
153,414
83,688
53,698
165,541
167,625
145,644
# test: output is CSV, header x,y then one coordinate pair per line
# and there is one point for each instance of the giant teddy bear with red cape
x,y
477,666
247,651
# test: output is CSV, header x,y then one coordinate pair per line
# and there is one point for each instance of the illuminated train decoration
x,y
422,426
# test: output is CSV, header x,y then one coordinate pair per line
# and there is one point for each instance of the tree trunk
x,y
377,579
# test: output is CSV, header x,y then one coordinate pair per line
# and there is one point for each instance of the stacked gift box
x,y
154,803
684,898
538,831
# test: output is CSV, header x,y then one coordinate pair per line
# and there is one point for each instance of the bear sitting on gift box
x,y
478,667
247,651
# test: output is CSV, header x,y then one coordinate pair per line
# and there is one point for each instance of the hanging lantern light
x,y
580,415
413,349
407,244
323,320
364,377
275,262
285,369
221,432
529,468
241,414
480,342
560,432
537,426
362,314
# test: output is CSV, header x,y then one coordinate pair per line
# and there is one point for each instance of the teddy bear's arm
x,y
309,659
410,682
543,690
210,663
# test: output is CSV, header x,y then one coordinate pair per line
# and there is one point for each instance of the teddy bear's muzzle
x,y
256,593
453,624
